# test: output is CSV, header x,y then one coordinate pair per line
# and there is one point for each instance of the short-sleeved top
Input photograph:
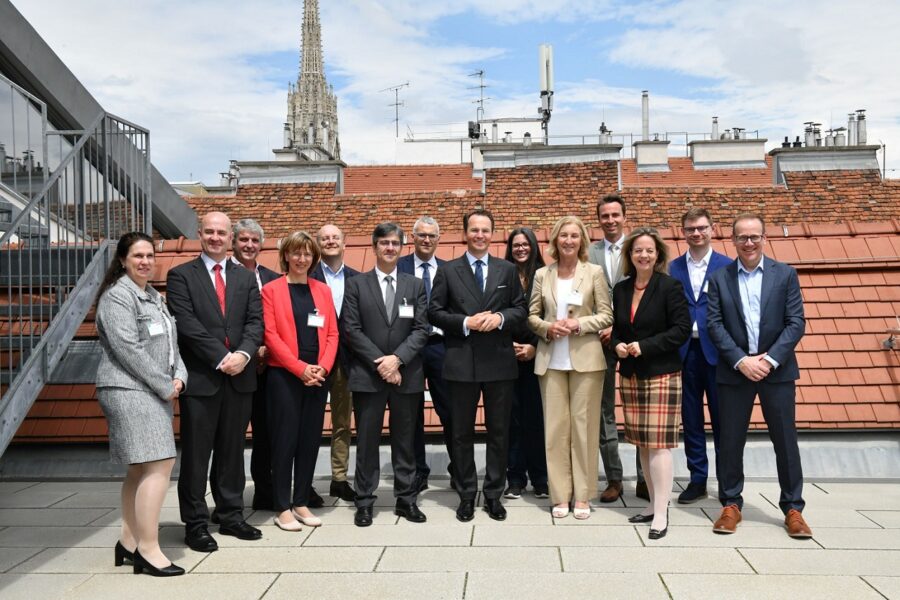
x,y
307,337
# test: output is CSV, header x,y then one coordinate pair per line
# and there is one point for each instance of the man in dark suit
x,y
755,319
248,241
424,265
698,355
332,270
384,327
218,314
478,303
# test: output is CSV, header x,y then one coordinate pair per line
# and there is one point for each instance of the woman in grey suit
x,y
139,378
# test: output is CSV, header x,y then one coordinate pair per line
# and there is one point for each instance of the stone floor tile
x,y
550,535
609,586
11,487
888,586
10,557
29,498
859,499
468,559
94,560
242,586
817,517
32,587
173,537
91,499
79,486
290,560
391,535
515,515
59,537
446,499
889,519
745,537
772,561
770,587
49,517
850,487
605,515
421,586
653,560
862,539
330,515
168,517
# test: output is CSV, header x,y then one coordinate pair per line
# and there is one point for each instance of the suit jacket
x,y
319,275
594,314
407,264
267,275
281,328
678,269
369,334
480,356
781,321
597,256
662,323
202,329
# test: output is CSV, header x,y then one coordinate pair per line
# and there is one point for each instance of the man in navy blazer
x,y
698,355
755,319
424,265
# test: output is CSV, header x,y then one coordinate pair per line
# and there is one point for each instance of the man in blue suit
x,y
698,355
424,265
755,319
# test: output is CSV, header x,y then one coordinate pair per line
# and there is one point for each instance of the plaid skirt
x,y
652,410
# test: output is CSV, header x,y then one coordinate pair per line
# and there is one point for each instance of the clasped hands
x,y
389,369
562,328
484,321
313,376
755,368
233,363
178,385
624,350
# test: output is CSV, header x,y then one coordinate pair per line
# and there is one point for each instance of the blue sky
x,y
208,77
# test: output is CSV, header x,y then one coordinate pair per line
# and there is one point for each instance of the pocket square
x,y
500,287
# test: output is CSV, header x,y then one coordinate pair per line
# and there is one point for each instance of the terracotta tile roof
x,y
409,178
682,173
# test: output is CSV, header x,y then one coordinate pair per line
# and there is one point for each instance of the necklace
x,y
640,289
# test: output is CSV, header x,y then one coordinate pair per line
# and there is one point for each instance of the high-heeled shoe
x,y
581,513
656,534
122,555
639,518
141,565
560,512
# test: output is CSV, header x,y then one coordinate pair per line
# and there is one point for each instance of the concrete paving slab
x,y
619,516
29,587
440,498
816,516
330,515
11,487
10,557
79,486
173,537
748,537
421,586
91,500
94,560
888,586
863,539
823,562
770,587
857,499
518,515
192,586
59,537
631,586
290,560
653,560
889,519
390,535
549,535
49,517
168,517
472,560
29,498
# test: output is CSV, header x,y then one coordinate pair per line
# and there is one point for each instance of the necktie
x,y
389,297
479,274
426,280
614,257
220,286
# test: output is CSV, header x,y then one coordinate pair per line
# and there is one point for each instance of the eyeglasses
x,y
698,229
753,239
390,243
426,236
521,246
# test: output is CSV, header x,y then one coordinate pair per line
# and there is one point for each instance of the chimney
x,y
829,139
809,139
495,132
605,137
840,139
526,140
786,143
714,135
287,135
861,126
797,143
852,130
645,115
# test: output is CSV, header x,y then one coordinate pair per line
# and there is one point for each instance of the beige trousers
x,y
341,410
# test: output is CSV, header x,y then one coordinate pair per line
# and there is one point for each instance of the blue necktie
x,y
426,279
479,275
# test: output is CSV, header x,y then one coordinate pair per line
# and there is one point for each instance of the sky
x,y
209,78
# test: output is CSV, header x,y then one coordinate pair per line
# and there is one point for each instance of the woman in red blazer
x,y
302,342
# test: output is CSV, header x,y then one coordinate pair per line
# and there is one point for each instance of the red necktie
x,y
220,286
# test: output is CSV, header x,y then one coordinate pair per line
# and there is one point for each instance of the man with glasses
x,y
424,265
699,357
755,319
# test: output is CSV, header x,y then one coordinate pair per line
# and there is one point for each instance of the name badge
x,y
314,319
155,329
405,311
705,288
574,298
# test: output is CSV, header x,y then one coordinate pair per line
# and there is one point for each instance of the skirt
x,y
652,410
140,426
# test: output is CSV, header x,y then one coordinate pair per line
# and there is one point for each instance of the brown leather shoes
x,y
796,526
728,519
612,492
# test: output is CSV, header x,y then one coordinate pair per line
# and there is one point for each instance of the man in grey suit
x,y
755,319
384,325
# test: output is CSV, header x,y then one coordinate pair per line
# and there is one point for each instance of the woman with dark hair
x,y
527,458
139,378
651,322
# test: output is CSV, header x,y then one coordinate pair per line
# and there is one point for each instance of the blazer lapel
x,y
209,286
578,280
493,279
682,273
230,290
732,280
550,282
647,297
377,296
464,271
768,280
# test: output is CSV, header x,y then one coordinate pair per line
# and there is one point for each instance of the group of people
x,y
538,345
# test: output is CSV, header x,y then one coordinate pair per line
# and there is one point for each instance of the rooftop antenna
x,y
397,104
479,112
545,66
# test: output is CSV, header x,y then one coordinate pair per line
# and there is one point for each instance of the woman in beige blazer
x,y
569,305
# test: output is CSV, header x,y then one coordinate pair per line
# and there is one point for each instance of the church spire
x,y
312,105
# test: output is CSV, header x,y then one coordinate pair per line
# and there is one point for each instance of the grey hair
x,y
249,225
426,220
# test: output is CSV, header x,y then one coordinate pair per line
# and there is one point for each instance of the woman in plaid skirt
x,y
651,322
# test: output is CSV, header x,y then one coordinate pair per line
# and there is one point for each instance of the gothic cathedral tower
x,y
312,106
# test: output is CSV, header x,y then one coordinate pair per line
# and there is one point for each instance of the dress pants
x,y
572,421
433,365
296,416
698,378
213,425
341,410
261,455
527,455
369,410
777,401
497,408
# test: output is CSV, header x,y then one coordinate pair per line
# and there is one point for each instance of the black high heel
x,y
141,565
122,555
656,534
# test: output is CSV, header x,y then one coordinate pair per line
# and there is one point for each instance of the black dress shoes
x,y
639,518
656,534
142,566
315,500
363,516
198,539
410,512
692,493
494,509
241,531
122,555
466,511
342,490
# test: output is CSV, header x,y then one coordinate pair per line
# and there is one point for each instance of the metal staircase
x,y
59,237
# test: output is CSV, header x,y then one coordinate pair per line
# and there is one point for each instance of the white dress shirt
x,y
697,275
